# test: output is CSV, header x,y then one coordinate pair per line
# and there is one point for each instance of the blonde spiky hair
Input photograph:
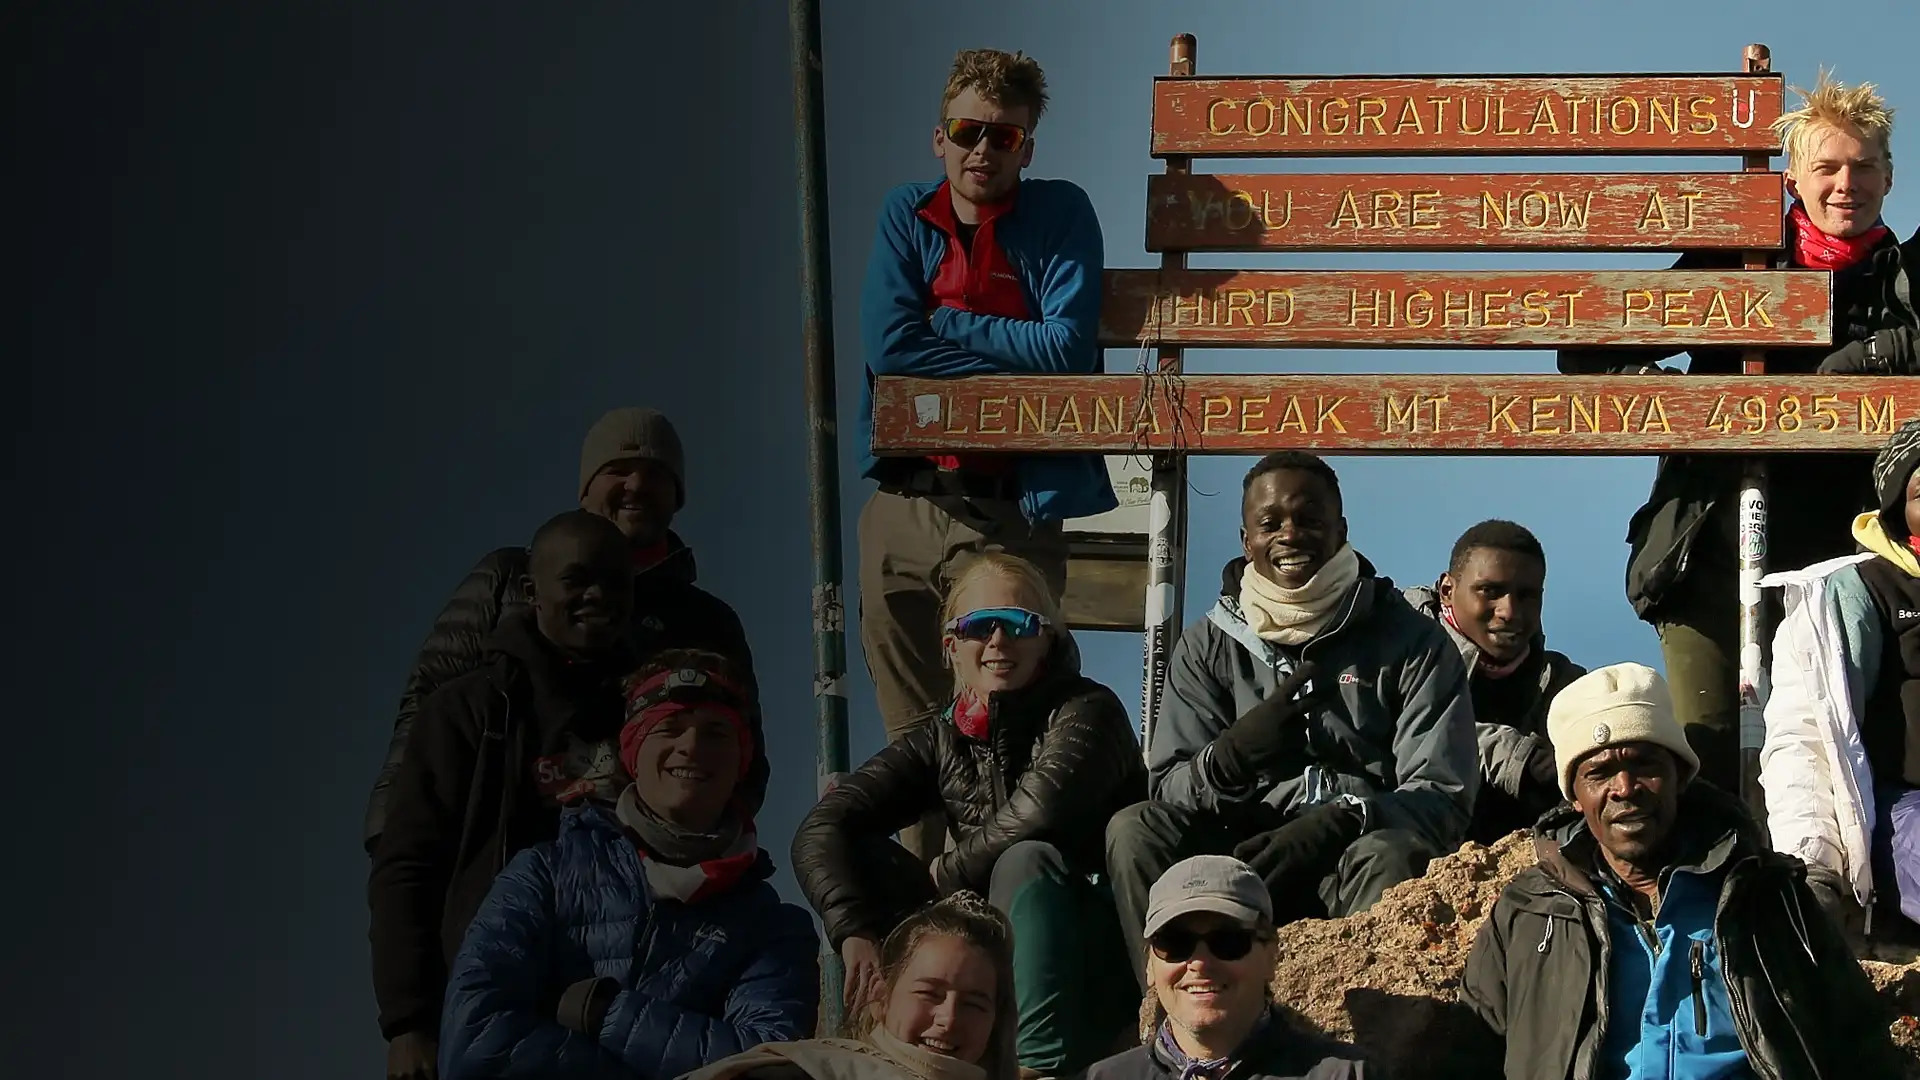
x,y
1857,110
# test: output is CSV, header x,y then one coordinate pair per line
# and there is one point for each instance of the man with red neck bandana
x,y
1489,600
1316,727
1682,573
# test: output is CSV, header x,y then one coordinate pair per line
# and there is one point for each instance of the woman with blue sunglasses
x,y
1029,762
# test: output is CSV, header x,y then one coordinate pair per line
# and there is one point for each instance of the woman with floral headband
x,y
1029,761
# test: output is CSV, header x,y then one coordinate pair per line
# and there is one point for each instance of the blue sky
x,y
1403,511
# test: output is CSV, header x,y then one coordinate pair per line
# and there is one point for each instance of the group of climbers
x,y
567,878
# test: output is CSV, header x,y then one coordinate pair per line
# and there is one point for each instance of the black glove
x,y
583,1007
1270,731
1837,902
1542,769
1889,352
1304,849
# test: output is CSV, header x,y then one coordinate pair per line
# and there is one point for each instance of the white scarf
x,y
879,1056
1293,616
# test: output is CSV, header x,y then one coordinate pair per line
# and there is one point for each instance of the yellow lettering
x,y
1433,220
1486,117
1240,301
1439,114
1546,210
1543,112
999,421
1250,419
1488,308
1071,408
1242,202
1573,113
1326,412
1646,422
1112,417
1656,114
1297,112
1717,304
1577,408
1401,418
1326,115
1291,417
1876,419
1284,295
1409,114
1349,210
1490,209
1623,411
1570,297
1196,307
1693,110
1627,297
1208,413
1447,308
1573,213
953,424
1373,308
1374,118
1613,116
1670,315
1266,210
1690,198
1387,204
1213,126
1535,307
1753,306
1148,416
1500,125
1656,208
1025,412
1251,105
1425,315
1541,410
1498,414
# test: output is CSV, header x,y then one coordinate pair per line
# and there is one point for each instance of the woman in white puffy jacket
x,y
1841,763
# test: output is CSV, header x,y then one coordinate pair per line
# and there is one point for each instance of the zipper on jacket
x,y
1699,990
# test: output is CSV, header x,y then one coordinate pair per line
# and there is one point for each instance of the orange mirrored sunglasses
x,y
966,134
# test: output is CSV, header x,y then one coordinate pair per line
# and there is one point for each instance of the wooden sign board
x,y
1408,115
1371,414
1455,212
1453,308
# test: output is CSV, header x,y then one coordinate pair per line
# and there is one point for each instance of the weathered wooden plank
x,y
1407,115
1453,308
1463,212
1374,414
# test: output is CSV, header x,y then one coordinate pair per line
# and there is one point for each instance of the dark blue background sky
x,y
317,303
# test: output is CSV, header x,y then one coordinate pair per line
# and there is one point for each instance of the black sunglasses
x,y
1226,943
966,134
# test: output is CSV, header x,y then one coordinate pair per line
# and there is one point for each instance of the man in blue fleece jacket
x,y
982,273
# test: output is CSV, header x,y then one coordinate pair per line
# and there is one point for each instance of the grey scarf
x,y
673,844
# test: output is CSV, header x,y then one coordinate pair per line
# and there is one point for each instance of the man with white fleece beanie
x,y
1657,936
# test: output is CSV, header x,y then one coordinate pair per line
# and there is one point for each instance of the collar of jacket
x,y
1426,600
594,823
1354,608
1014,714
1711,832
676,567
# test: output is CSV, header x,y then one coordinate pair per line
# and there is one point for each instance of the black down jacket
x,y
1695,496
1060,759
669,612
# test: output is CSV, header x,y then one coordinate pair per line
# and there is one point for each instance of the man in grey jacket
x,y
1316,727
1489,600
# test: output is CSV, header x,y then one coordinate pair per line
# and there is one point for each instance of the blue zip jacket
x,y
1052,239
1668,1015
698,982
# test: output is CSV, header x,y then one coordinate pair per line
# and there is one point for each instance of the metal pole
x,y
1167,513
823,446
1753,547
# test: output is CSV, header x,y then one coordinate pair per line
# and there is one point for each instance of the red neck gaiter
x,y
970,715
1816,250
1913,545
646,558
1486,667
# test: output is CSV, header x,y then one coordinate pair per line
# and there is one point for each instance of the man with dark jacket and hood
x,y
1489,600
1316,727
1658,936
494,755
1682,571
632,472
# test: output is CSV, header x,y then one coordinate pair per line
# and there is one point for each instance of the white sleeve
x,y
1795,767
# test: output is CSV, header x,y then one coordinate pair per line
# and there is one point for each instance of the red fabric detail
x,y
981,281
719,875
1816,250
640,723
1485,667
646,558
970,715
1913,544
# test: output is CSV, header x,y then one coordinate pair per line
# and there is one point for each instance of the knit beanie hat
x,y
690,682
1892,467
1609,706
633,432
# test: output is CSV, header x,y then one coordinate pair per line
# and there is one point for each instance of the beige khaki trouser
x,y
911,551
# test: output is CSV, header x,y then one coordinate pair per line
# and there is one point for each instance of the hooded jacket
x,y
669,612
698,981
1059,760
1507,727
1397,732
491,754
1693,496
1770,972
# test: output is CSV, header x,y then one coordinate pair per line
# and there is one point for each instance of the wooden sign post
x,y
1161,410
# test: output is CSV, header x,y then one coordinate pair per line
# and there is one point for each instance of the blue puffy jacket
x,y
698,982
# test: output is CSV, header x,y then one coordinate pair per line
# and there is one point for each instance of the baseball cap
x,y
1219,884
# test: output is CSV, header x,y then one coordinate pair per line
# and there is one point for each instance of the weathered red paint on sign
x,y
1404,115
1463,212
1336,414
1454,308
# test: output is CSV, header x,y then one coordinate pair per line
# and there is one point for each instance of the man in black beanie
x,y
1841,763
632,472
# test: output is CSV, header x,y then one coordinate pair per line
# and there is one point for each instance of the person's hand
x,y
1271,730
861,957
1542,768
1889,352
1304,848
412,1055
583,1005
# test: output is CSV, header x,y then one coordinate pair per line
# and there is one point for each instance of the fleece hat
x,y
1623,703
633,432
1892,467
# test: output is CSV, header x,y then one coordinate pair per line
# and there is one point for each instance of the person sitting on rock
x,y
943,1009
1658,936
1316,726
1210,956
645,940
1489,600
1028,763
1841,761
